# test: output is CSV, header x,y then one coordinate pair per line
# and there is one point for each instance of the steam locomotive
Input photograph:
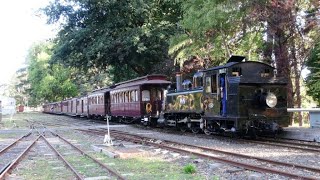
x,y
240,97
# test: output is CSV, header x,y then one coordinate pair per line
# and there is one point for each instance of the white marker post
x,y
107,138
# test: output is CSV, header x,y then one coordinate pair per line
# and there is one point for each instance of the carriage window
x,y
121,97
127,97
136,94
145,95
117,97
132,95
236,71
208,84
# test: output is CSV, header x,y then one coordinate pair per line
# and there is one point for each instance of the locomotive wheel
x,y
253,133
207,132
195,130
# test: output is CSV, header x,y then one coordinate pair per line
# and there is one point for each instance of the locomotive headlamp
x,y
271,100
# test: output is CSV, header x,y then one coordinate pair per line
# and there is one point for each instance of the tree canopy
x,y
130,37
103,42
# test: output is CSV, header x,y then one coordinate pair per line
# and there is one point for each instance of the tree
x,y
312,80
214,30
128,37
47,83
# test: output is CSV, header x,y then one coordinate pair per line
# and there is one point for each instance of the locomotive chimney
x,y
178,76
179,81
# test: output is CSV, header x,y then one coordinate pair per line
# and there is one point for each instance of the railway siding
x,y
156,163
238,160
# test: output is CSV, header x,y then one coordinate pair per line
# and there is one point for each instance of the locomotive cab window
x,y
236,71
198,80
214,87
186,84
208,84
211,84
145,95
265,73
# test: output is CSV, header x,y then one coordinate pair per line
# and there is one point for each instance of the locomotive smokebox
x,y
179,81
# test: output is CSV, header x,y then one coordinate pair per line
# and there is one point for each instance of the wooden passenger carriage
x,y
138,98
98,103
82,108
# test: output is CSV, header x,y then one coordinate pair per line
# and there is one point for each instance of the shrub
x,y
189,169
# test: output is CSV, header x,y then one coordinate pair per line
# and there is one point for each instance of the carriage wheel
x,y
183,128
128,120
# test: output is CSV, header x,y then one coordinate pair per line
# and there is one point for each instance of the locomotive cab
x,y
244,96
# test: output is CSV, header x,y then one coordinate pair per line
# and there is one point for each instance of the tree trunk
x,y
268,45
296,71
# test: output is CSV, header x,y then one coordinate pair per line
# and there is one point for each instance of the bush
x,y
189,169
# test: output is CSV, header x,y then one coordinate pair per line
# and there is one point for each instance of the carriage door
x,y
81,105
146,103
107,103
156,100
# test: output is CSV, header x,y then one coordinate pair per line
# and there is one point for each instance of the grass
x,y
146,168
189,169
41,169
16,121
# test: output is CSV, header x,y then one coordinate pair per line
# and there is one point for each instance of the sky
x,y
20,28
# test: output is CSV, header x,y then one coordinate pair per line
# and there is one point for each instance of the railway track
x,y
80,152
302,145
308,146
256,163
13,153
